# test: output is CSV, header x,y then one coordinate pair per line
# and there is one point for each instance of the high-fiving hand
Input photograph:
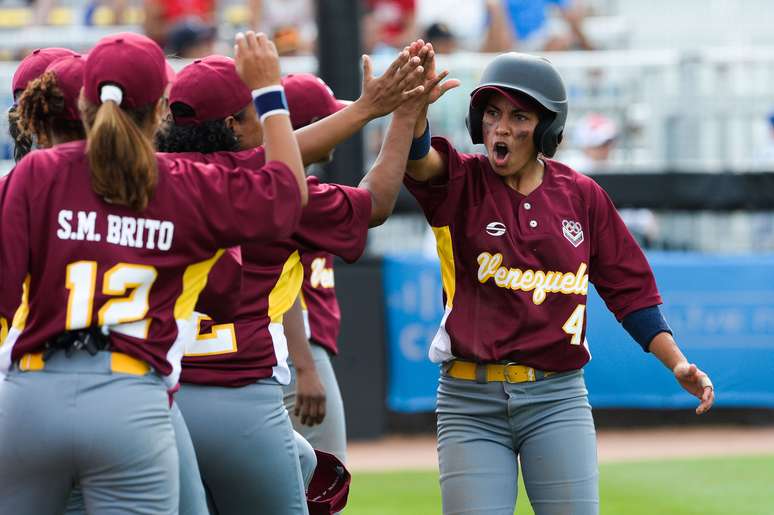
x,y
256,59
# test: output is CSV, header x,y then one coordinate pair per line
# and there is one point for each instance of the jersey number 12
x,y
124,314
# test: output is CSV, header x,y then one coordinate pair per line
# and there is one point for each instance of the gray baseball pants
x,y
547,425
331,435
193,500
246,448
76,422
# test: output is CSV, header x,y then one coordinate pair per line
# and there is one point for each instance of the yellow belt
x,y
120,363
493,372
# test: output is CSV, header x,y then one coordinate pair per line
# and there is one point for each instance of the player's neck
x,y
528,178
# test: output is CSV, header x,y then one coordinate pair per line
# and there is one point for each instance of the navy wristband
x,y
269,101
420,146
644,324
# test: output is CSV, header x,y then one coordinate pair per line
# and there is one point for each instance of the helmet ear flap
x,y
546,137
473,122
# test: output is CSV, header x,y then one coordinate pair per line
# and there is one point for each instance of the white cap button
x,y
527,206
533,223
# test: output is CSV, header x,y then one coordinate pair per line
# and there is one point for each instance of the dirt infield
x,y
418,453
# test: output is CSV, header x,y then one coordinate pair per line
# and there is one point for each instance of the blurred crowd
x,y
188,28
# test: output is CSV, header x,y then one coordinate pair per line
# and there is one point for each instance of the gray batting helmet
x,y
533,77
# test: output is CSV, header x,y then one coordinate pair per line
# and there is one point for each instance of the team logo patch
x,y
495,228
573,232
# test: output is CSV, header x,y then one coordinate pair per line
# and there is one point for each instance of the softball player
x,y
519,237
96,363
48,110
233,373
310,100
29,69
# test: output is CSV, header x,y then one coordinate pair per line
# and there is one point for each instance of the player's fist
x,y
257,61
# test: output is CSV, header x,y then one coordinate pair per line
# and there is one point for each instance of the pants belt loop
x,y
481,373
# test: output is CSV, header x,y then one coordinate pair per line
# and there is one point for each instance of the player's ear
x,y
230,123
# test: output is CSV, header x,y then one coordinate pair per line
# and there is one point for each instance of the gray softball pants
x,y
547,425
193,500
331,435
75,422
247,450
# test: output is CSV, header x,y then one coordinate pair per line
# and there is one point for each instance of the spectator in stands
x,y
190,38
596,135
388,24
441,37
764,155
530,29
164,17
467,21
290,23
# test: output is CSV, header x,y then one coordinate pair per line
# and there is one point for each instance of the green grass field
x,y
717,486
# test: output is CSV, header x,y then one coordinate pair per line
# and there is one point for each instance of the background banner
x,y
720,307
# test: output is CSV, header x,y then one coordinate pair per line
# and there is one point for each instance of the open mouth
x,y
501,153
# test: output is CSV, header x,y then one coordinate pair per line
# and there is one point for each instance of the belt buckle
x,y
506,372
530,373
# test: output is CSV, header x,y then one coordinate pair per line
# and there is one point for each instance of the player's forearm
x,y
574,18
498,37
385,177
664,347
316,141
295,332
281,145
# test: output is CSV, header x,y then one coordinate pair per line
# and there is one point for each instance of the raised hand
x,y
433,85
435,88
697,383
257,61
402,81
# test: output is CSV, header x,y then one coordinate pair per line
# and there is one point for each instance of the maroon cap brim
x,y
519,101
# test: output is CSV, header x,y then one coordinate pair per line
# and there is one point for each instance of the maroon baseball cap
x,y
171,73
133,62
518,100
329,488
69,78
212,88
309,99
34,65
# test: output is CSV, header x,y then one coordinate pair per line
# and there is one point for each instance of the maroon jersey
x,y
322,316
515,268
220,298
253,345
85,262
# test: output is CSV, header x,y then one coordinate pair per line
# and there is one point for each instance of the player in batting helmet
x,y
519,237
523,75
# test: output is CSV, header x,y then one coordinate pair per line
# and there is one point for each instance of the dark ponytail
x,y
121,155
41,112
22,143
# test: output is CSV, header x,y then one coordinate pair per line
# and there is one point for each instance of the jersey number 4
x,y
125,314
574,325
